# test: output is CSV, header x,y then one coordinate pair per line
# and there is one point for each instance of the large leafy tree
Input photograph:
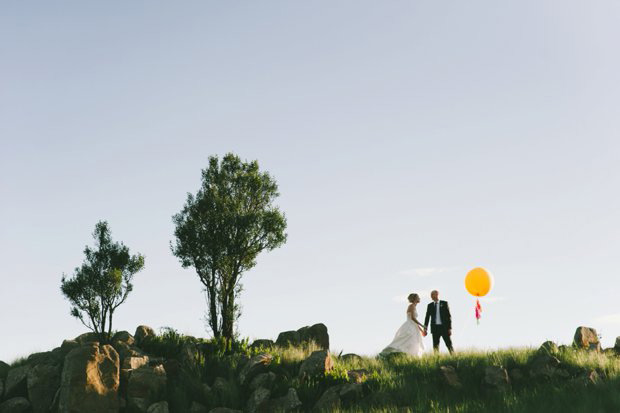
x,y
102,283
221,230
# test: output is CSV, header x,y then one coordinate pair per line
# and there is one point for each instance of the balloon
x,y
478,282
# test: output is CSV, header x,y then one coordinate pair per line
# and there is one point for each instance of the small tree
x,y
221,230
102,283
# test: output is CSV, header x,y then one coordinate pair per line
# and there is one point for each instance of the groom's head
x,y
435,295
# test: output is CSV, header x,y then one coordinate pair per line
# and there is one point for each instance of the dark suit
x,y
439,330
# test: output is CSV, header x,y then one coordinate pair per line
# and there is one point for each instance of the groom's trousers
x,y
438,332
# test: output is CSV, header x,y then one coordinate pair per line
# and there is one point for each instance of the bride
x,y
408,338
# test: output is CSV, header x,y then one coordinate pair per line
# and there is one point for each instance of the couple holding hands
x,y
408,338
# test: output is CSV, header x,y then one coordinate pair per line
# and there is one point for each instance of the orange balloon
x,y
478,282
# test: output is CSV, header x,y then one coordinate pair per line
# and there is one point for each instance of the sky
x,y
411,141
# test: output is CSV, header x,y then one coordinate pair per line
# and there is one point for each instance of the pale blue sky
x,y
404,135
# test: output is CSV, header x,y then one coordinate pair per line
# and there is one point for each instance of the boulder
x,y
288,338
264,380
262,343
256,365
545,365
132,363
586,338
358,376
318,363
197,408
316,333
224,410
124,337
16,382
351,393
1,388
43,381
67,346
159,407
86,338
47,357
449,377
4,369
329,401
220,386
258,400
285,404
142,334
90,380
15,405
549,347
516,375
146,385
350,357
496,378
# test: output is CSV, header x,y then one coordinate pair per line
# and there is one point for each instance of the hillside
x,y
146,372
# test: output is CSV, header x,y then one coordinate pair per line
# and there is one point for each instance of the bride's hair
x,y
412,297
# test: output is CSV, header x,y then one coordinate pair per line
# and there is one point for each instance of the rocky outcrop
x,y
159,407
318,363
262,343
329,401
586,338
90,380
264,380
549,347
350,357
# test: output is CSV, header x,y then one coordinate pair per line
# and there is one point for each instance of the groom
x,y
441,321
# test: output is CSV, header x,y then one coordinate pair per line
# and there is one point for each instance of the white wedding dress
x,y
408,339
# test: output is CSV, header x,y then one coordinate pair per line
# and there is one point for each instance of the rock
x,y
549,347
316,333
258,400
264,380
224,410
132,363
87,338
288,338
318,363
4,369
47,357
350,357
351,393
1,388
544,365
146,385
15,405
329,401
285,404
124,337
67,346
586,338
358,376
256,365
43,381
90,380
262,343
449,376
516,375
189,355
220,385
142,334
159,407
16,382
197,408
496,378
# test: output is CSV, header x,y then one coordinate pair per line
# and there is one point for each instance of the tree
x,y
102,283
221,230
